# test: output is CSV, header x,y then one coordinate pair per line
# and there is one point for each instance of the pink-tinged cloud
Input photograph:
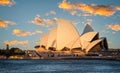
x,y
49,22
7,2
115,27
16,42
38,20
18,32
82,14
38,31
52,12
5,23
22,33
104,10
117,8
43,22
73,12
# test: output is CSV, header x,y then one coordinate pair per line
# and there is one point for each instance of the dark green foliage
x,y
16,51
2,52
12,51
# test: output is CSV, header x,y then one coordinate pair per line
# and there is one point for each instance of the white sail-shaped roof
x,y
92,44
84,44
87,28
44,39
52,38
88,36
66,33
74,44
54,44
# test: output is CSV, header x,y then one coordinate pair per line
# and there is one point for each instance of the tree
x,y
16,51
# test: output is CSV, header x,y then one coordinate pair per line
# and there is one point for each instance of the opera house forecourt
x,y
64,41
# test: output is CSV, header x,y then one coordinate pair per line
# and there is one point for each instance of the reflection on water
x,y
58,66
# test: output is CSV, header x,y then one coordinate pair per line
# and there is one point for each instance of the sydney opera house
x,y
65,37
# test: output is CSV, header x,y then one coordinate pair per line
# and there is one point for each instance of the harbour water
x,y
59,66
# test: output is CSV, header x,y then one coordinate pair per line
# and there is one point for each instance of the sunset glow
x,y
23,22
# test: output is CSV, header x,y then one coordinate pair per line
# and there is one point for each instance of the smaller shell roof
x,y
88,36
44,39
87,28
51,38
92,44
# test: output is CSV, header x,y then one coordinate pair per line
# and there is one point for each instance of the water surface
x,y
59,66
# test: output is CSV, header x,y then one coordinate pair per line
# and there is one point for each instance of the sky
x,y
23,22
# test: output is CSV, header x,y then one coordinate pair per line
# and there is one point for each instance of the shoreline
x,y
110,59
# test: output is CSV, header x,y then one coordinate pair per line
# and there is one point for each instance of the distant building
x,y
7,47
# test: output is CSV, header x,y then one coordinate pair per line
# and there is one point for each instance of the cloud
x,y
5,23
82,14
37,42
7,2
104,31
43,22
38,31
115,27
86,14
117,8
22,33
51,12
49,22
38,20
18,32
113,32
75,22
16,42
103,10
73,12
88,21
